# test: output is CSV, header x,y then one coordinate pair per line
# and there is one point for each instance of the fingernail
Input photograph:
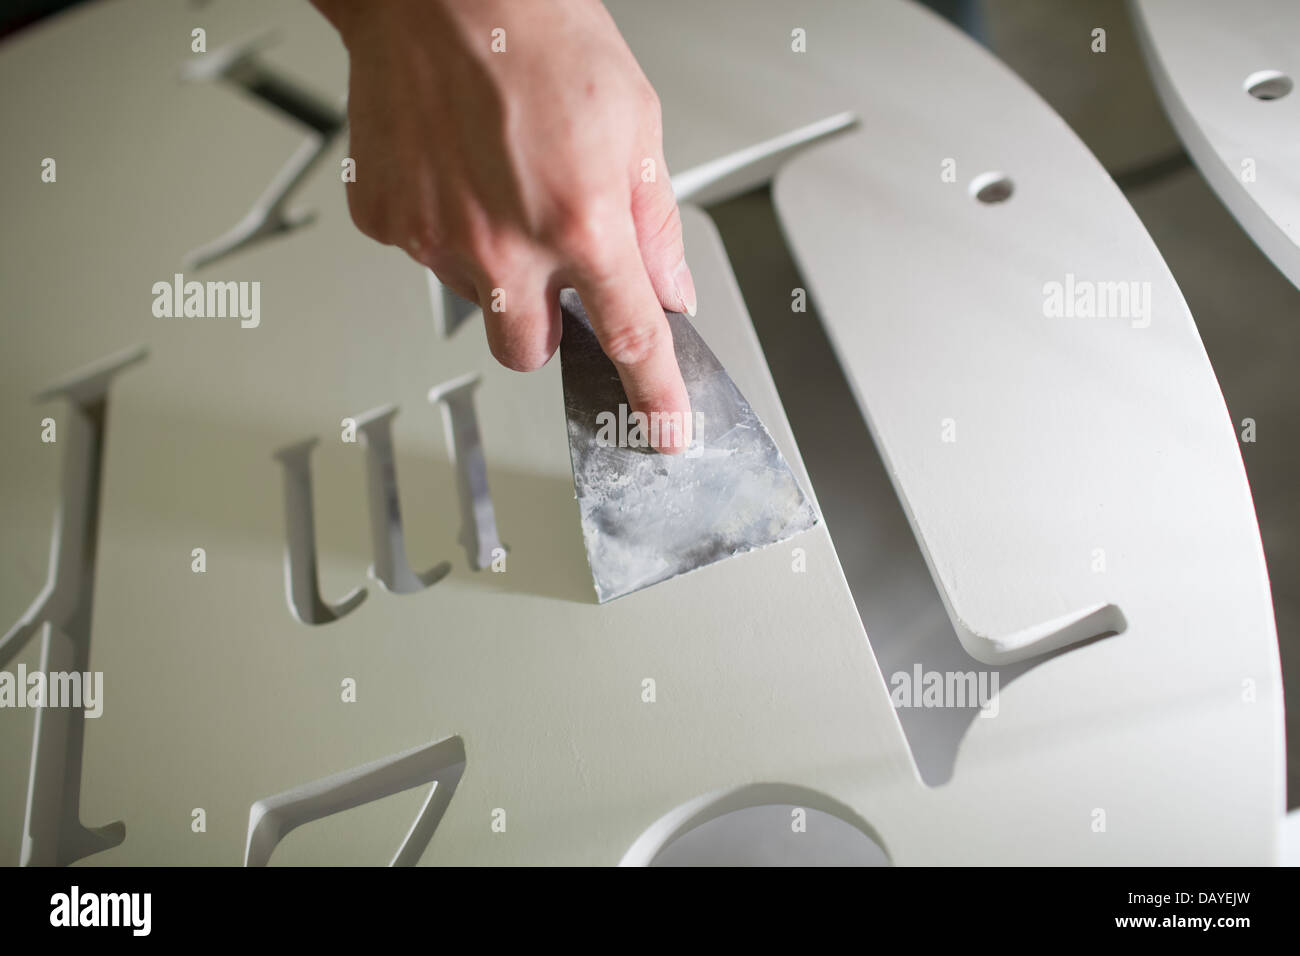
x,y
685,284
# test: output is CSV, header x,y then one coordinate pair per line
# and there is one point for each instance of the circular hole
x,y
763,836
991,188
1268,85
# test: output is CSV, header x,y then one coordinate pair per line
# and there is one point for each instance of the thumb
x,y
659,235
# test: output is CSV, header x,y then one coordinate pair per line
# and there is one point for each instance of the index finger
x,y
631,327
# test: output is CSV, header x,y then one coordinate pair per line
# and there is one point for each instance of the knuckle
x,y
632,344
581,233
585,231
423,240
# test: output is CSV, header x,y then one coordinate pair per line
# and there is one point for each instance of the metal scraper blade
x,y
648,517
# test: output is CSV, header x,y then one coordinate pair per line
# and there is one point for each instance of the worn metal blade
x,y
648,517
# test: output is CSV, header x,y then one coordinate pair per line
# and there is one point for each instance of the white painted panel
x,y
217,698
1227,76
1077,439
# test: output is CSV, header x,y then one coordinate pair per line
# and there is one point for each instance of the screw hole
x,y
1268,85
991,188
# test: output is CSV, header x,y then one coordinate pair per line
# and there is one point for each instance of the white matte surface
x,y
1201,54
766,688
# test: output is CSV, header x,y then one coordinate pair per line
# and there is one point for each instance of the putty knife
x,y
648,517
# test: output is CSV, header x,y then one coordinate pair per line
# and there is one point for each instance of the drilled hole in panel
x,y
991,188
1268,85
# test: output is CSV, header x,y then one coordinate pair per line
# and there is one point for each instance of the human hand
x,y
516,173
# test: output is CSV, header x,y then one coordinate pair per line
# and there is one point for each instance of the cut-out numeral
x,y
240,64
441,763
52,831
390,566
300,574
465,446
